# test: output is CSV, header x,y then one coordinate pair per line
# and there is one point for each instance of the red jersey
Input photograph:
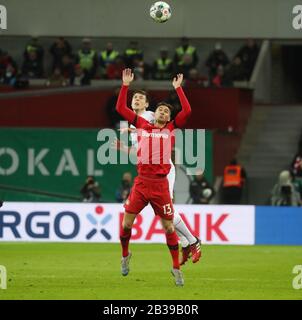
x,y
154,148
154,144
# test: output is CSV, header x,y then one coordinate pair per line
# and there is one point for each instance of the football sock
x,y
183,240
172,242
186,237
125,238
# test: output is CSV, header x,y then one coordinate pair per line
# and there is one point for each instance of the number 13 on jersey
x,y
167,209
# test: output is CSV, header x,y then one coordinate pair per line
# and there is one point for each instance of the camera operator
x,y
284,192
91,190
201,192
123,191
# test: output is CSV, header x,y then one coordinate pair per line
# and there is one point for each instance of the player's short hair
x,y
171,108
142,92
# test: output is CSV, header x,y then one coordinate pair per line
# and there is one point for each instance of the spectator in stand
x,y
220,79
141,69
296,169
67,66
195,80
186,66
56,79
217,57
9,77
284,192
300,141
131,53
34,46
163,66
58,50
87,58
114,70
234,179
182,53
123,191
91,190
248,55
32,67
107,57
5,60
296,165
112,114
80,77
236,70
201,192
138,69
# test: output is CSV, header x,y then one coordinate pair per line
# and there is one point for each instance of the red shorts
x,y
153,191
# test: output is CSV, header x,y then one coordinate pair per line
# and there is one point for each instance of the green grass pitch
x,y
92,271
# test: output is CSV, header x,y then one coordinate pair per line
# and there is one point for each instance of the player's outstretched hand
x,y
124,130
128,77
178,80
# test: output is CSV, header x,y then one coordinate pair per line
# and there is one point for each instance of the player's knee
x,y
127,225
169,228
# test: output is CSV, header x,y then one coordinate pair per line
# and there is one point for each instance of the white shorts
x,y
171,179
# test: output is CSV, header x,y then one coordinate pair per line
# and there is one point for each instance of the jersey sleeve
x,y
140,122
182,117
121,106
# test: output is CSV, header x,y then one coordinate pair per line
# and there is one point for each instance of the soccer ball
x,y
160,11
207,193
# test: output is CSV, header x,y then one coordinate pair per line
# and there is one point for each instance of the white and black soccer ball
x,y
207,193
160,11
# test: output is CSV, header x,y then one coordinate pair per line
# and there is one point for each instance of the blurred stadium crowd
x,y
70,67
288,190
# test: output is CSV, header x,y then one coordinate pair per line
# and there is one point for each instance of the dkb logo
x,y
99,210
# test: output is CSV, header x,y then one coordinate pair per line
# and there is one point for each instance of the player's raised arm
x,y
121,105
185,112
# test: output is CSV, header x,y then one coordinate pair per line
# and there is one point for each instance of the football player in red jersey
x,y
155,143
